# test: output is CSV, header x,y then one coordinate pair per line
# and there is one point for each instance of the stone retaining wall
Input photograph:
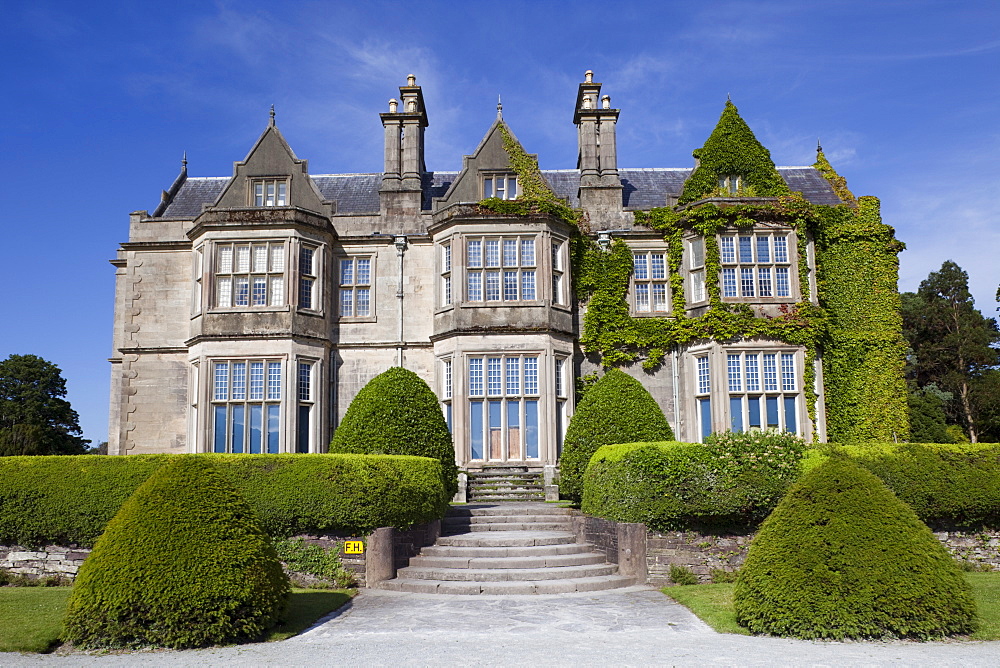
x,y
42,562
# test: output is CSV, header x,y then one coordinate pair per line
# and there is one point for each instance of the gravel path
x,y
637,626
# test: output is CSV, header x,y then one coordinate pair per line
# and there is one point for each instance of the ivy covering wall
x,y
854,328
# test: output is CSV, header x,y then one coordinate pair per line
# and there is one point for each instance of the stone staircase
x,y
507,548
505,483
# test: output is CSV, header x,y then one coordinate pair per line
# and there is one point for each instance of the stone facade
x,y
251,309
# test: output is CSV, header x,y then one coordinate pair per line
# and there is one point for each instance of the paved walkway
x,y
624,627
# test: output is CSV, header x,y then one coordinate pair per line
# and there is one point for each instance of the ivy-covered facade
x,y
251,309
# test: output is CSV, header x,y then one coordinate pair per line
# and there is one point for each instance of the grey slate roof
x,y
358,193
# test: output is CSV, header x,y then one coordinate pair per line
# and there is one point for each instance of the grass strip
x,y
31,617
713,604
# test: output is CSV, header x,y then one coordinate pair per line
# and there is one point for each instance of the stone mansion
x,y
250,309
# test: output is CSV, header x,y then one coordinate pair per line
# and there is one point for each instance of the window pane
x,y
273,424
447,379
476,376
447,258
753,404
698,286
764,281
697,253
495,433
362,297
658,267
781,249
736,413
487,188
220,428
476,429
269,201
239,392
705,412
277,291
527,252
238,412
511,187
791,424
729,282
305,293
225,292
746,249
640,270
787,372
704,381
302,442
221,382
557,289
242,291
256,424
746,281
727,249
510,252
347,272
274,380
225,259
753,372
659,297
772,412
513,427
494,371
474,252
510,285
243,258
492,286
282,193
306,261
364,271
258,194
734,369
492,252
277,257
531,429
559,377
513,376
770,373
447,289
781,285
642,297
256,381
260,258
475,287
305,382
259,291
531,375
346,302
763,248
528,285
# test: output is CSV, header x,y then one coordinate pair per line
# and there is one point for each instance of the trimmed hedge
x,y
945,484
66,500
842,557
733,481
184,563
396,413
617,409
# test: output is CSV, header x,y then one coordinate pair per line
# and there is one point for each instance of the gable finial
x,y
819,146
728,98
499,107
272,115
184,162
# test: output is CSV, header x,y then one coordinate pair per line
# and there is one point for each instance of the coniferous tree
x,y
35,419
953,345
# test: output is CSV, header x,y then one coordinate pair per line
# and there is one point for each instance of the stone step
x,y
506,563
513,475
467,552
521,518
507,574
509,538
509,526
565,586
504,509
497,498
501,483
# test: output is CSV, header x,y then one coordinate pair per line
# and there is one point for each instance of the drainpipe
x,y
400,243
677,404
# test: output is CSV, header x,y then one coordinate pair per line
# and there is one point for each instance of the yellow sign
x,y
354,547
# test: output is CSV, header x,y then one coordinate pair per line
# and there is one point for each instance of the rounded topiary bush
x,y
396,413
617,409
842,557
184,563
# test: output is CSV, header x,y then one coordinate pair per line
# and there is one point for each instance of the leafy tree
x,y
617,409
927,419
34,417
953,344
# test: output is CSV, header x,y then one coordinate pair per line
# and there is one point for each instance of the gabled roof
x,y
358,193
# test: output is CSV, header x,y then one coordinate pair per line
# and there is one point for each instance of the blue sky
x,y
101,99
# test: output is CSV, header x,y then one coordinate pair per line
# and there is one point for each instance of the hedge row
x,y
732,482
945,484
69,499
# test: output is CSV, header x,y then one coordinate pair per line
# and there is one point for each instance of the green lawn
x,y
713,603
31,617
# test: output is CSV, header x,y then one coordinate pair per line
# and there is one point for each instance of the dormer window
x,y
270,192
501,186
730,184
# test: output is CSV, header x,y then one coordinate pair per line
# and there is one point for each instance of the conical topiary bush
x,y
617,409
396,413
184,563
842,557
